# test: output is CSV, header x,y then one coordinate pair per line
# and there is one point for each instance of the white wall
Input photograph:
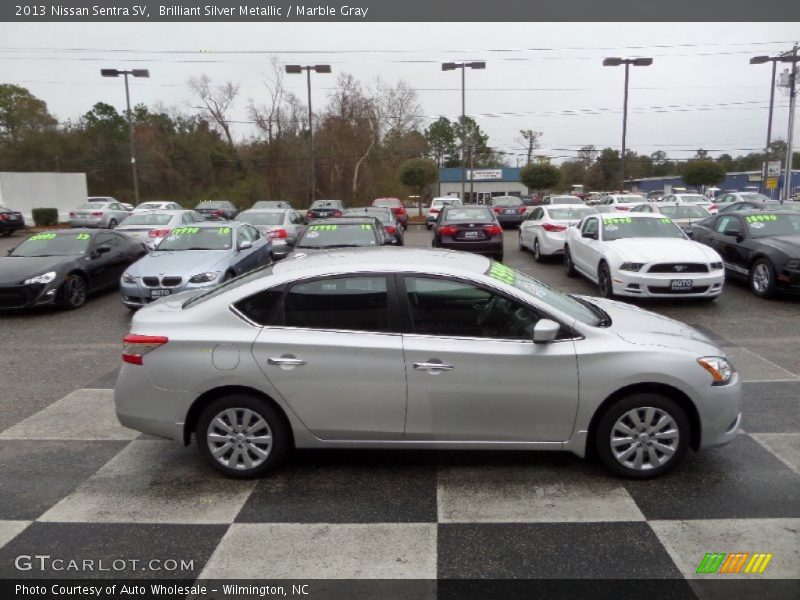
x,y
26,191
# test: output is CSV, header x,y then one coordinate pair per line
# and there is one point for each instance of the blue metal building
x,y
733,181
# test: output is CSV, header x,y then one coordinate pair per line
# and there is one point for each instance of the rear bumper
x,y
93,222
492,247
515,219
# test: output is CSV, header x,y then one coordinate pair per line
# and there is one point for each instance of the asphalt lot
x,y
66,481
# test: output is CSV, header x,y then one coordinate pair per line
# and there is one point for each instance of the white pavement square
x,y
10,529
319,551
786,446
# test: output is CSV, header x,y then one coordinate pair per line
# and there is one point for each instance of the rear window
x,y
93,205
255,218
387,202
464,213
148,219
214,204
565,200
506,201
326,204
438,202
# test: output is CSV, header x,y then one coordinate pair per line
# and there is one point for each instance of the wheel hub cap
x,y
239,438
644,438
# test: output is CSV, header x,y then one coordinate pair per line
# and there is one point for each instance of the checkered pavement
x,y
75,483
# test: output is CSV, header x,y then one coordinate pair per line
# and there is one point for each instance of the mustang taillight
x,y
309,214
277,234
134,346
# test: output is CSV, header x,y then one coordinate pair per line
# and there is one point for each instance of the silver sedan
x,y
282,226
98,214
413,348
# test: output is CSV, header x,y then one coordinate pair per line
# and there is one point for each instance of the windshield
x,y
387,202
565,200
771,225
694,199
148,219
214,204
468,213
270,204
617,228
197,238
506,201
264,218
533,287
571,213
53,244
326,204
338,236
684,211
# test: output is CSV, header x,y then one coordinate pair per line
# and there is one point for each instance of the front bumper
x,y
136,295
720,412
658,285
18,296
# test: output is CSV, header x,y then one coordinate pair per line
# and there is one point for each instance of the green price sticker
x,y
42,236
366,226
665,221
184,230
760,218
617,220
502,273
224,230
323,228
82,236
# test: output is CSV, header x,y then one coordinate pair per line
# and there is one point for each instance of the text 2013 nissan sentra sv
x,y
412,348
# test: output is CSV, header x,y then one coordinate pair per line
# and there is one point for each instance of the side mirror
x,y
592,235
245,245
102,249
545,331
732,232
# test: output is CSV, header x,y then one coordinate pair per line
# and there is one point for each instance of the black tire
x,y
428,226
762,278
73,292
228,276
278,429
7,233
112,224
522,247
602,438
537,251
401,242
499,257
569,266
604,285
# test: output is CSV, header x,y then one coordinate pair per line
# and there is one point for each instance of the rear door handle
x,y
431,366
286,361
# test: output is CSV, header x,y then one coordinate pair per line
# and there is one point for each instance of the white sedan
x,y
621,202
543,231
642,255
695,199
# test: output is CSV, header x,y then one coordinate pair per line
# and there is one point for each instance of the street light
x,y
452,66
297,70
760,60
135,73
790,57
615,62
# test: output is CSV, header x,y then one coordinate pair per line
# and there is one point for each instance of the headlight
x,y
631,266
128,278
721,370
44,278
204,277
716,266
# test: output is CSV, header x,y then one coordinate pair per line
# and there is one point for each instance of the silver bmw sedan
x,y
413,348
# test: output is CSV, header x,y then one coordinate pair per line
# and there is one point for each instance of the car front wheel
x,y
642,436
604,285
242,436
73,292
762,278
569,266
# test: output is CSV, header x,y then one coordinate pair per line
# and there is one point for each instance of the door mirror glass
x,y
592,235
245,244
103,249
545,331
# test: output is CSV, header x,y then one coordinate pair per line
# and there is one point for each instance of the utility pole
x,y
787,177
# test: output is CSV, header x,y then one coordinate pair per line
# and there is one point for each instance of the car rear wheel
x,y
242,436
112,224
522,247
642,436
569,266
537,251
762,278
73,292
604,285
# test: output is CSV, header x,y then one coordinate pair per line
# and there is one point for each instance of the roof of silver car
x,y
385,258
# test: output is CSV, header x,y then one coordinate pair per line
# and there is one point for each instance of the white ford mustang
x,y
640,254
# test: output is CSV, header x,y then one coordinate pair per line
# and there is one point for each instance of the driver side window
x,y
452,308
727,224
589,227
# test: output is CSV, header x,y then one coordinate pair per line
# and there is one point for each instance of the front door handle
x,y
433,366
286,361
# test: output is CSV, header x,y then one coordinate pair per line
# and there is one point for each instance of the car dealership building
x,y
480,184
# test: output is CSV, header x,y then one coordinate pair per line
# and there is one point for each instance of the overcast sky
x,y
710,96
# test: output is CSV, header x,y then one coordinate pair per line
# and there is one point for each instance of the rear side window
x,y
261,307
349,303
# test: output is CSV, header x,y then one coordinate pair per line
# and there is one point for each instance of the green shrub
x,y
44,217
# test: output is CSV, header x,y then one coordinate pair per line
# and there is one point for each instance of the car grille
x,y
679,268
664,289
169,281
10,298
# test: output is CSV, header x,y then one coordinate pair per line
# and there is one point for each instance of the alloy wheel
x,y
761,278
239,438
75,291
644,438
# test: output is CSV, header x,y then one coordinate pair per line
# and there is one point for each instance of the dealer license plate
x,y
159,293
679,285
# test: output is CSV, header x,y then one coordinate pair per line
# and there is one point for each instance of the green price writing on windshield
x,y
760,218
665,221
366,226
42,236
502,273
224,230
184,230
82,236
323,228
617,220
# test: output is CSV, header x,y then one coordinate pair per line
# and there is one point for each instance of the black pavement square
x,y
118,551
105,382
38,473
347,486
623,550
771,407
741,480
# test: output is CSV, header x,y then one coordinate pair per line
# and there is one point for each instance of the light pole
x,y
790,57
296,70
134,73
451,66
615,62
760,60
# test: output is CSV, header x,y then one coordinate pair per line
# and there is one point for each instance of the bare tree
x,y
530,139
216,102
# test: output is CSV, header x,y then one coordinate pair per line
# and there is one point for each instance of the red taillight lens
x,y
217,213
447,230
72,214
399,210
309,214
277,234
337,213
158,233
2,217
390,229
97,213
551,227
713,207
521,209
433,210
498,210
136,346
493,229
622,207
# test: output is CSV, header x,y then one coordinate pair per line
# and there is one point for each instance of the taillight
x,y
551,227
713,207
521,209
217,213
277,234
623,207
498,210
390,229
158,233
433,210
2,217
134,347
72,214
309,214
337,213
399,210
493,229
447,230
97,213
